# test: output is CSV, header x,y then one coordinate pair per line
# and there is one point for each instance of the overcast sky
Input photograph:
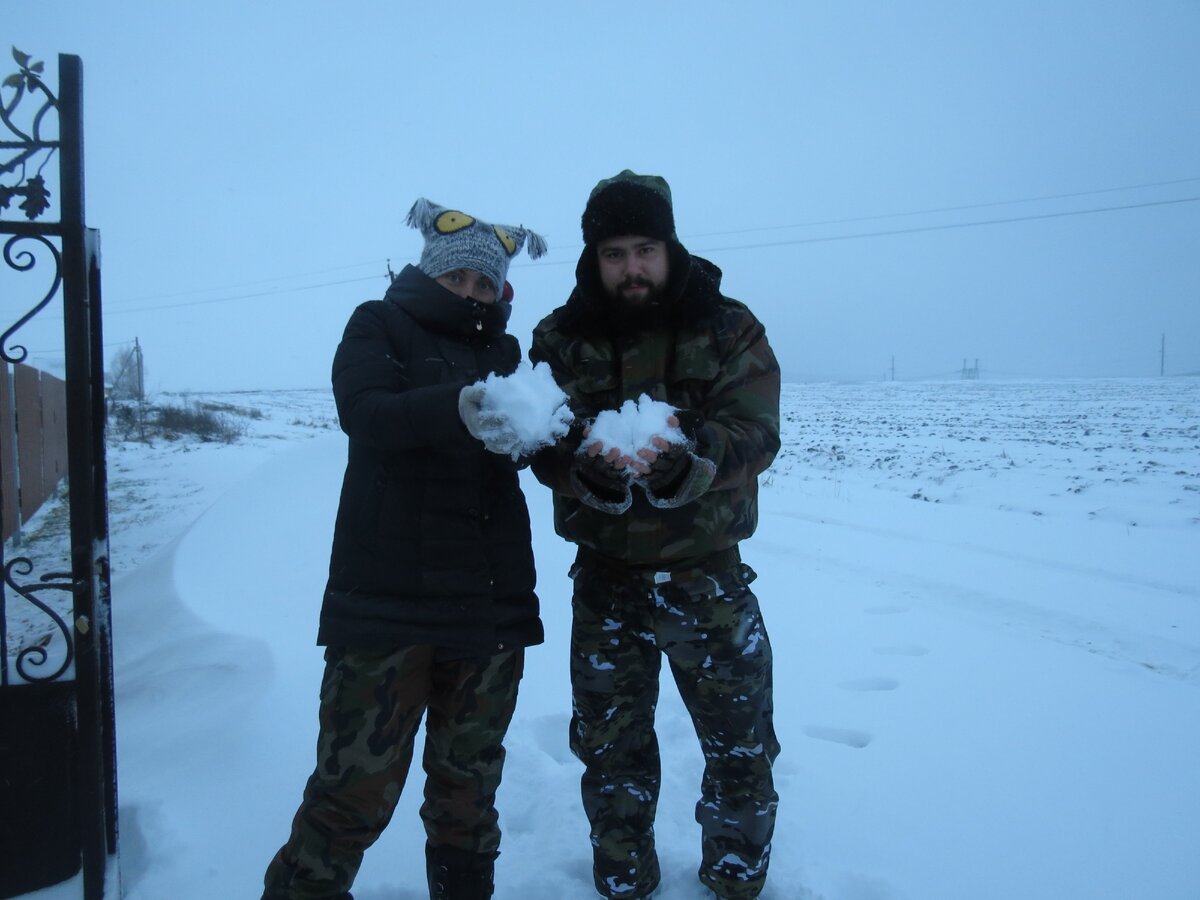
x,y
1015,183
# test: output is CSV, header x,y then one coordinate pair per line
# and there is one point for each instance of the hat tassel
x,y
422,214
535,245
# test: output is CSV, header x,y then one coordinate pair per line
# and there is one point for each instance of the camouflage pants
x,y
372,703
712,634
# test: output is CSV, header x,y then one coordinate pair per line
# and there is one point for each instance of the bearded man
x,y
658,570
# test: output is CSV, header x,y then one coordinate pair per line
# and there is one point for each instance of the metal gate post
x,y
89,518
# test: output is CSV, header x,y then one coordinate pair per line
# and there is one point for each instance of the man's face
x,y
633,269
470,284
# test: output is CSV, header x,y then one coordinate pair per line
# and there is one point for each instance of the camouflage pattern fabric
x,y
372,703
720,367
711,631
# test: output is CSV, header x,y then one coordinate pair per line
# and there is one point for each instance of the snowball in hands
x,y
632,427
516,414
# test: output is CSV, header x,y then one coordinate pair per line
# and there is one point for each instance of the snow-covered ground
x,y
984,601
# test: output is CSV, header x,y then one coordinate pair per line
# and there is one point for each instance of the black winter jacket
x,y
432,542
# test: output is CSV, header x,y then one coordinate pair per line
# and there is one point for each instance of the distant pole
x,y
893,368
141,386
1162,356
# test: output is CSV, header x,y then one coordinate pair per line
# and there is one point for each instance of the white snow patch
x,y
532,403
633,426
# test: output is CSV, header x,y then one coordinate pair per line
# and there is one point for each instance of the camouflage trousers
x,y
372,703
711,632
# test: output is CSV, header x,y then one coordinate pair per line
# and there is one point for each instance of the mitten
x,y
599,472
668,469
470,408
491,426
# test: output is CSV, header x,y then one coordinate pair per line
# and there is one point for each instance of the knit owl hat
x,y
455,240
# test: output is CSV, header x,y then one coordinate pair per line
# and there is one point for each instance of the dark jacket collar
x,y
441,310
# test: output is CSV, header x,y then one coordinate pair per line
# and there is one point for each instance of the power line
x,y
244,284
942,209
110,311
918,229
288,290
61,352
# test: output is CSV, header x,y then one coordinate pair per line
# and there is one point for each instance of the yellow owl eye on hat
x,y
456,240
451,221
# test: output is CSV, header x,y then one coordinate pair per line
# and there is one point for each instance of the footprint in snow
x,y
847,736
870,683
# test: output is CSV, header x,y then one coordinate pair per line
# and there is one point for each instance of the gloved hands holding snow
x,y
641,442
516,414
648,443
607,471
491,426
662,465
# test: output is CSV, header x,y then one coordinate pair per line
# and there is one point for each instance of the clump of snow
x,y
530,403
633,426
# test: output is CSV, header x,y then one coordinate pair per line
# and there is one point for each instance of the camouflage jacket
x,y
709,359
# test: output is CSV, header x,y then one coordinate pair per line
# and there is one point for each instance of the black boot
x,y
458,874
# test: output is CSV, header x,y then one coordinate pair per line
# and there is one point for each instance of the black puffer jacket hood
x,y
442,310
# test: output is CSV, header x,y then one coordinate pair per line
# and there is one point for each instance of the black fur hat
x,y
629,203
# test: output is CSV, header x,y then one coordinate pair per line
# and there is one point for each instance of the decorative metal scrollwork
x,y
21,154
28,144
23,261
30,659
25,102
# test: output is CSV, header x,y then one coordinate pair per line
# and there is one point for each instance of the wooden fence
x,y
34,471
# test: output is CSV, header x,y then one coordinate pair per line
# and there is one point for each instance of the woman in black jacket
x,y
430,601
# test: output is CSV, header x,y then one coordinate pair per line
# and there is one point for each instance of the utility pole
x,y
141,387
1162,356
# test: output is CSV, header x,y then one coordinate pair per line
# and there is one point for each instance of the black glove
x,y
598,473
668,469
690,421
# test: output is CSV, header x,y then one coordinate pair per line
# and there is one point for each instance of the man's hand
x,y
609,471
598,478
662,465
663,469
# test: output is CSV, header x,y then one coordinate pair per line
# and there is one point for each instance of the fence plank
x,y
41,411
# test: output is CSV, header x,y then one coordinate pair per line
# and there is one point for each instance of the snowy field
x,y
983,597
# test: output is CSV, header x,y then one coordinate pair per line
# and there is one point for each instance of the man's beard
x,y
630,316
632,313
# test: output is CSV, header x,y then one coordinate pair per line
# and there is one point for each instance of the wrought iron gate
x,y
57,743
